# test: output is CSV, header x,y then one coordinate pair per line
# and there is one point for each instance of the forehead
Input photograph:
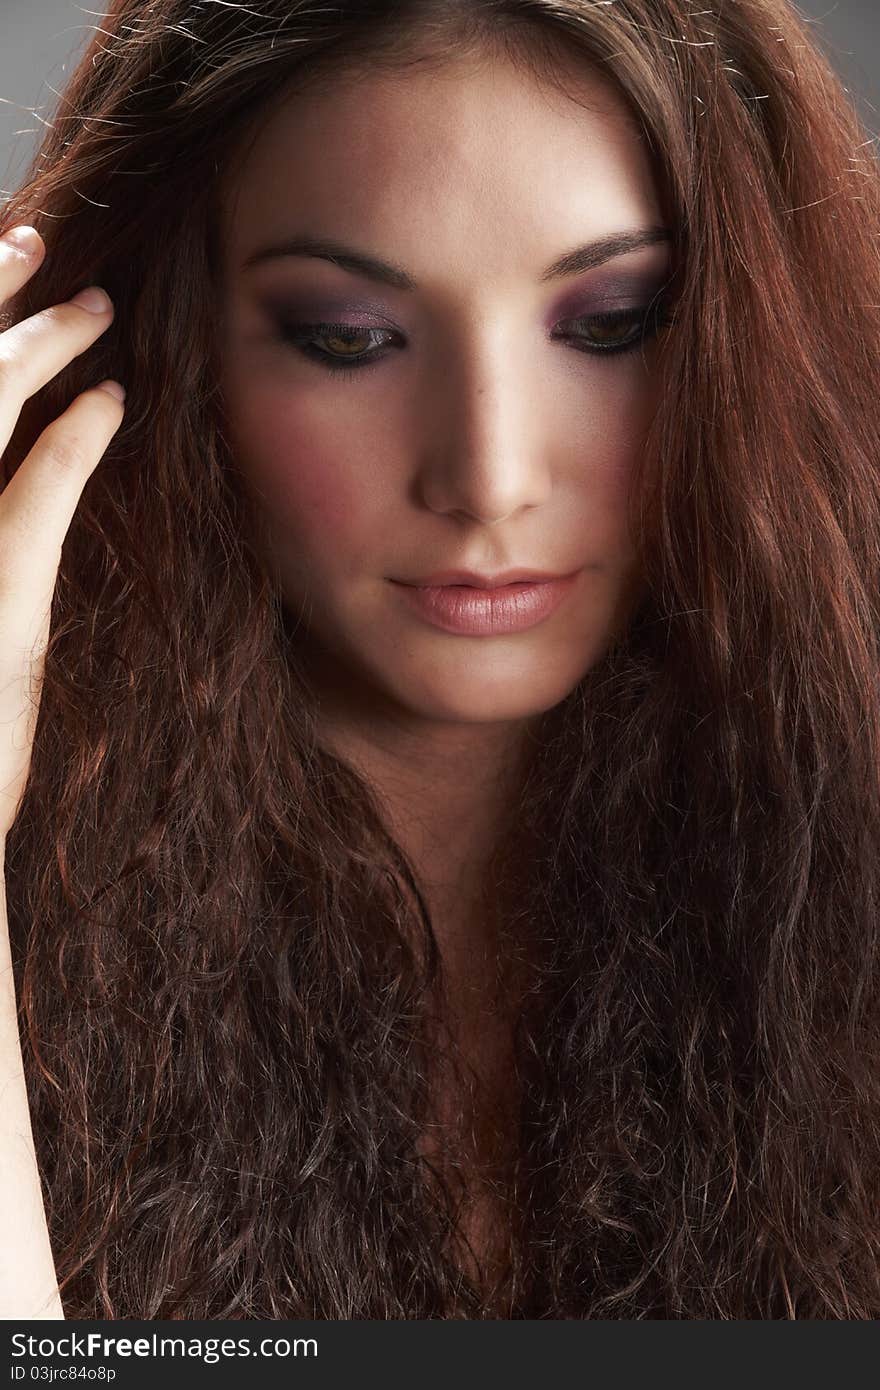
x,y
468,152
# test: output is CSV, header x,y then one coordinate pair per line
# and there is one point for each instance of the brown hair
x,y
224,962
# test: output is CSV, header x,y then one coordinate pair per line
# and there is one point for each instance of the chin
x,y
475,701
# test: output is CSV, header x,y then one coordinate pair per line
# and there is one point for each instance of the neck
x,y
447,793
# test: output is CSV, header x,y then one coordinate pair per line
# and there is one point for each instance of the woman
x,y
385,947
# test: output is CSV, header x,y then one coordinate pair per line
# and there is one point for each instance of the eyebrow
x,y
573,262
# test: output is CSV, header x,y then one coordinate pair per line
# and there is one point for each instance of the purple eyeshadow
x,y
619,291
327,309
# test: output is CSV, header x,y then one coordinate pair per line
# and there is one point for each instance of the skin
x,y
37,506
481,443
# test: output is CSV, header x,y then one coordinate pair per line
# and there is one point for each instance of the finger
x,y
38,503
34,351
21,255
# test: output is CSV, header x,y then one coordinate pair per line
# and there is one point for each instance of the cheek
x,y
313,496
303,473
615,431
624,413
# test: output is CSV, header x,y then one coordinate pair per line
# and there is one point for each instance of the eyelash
x,y
649,321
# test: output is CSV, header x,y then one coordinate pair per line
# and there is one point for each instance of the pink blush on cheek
x,y
311,499
302,475
327,479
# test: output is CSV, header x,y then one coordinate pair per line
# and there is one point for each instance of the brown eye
x,y
348,346
343,344
617,330
612,334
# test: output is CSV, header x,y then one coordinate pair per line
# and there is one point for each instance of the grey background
x,y
40,39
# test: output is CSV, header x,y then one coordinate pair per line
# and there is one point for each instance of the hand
x,y
37,505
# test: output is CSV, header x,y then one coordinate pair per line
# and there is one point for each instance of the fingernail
x,y
113,388
96,300
24,239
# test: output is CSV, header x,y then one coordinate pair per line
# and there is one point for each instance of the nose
x,y
484,460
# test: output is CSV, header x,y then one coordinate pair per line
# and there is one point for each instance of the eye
x,y
618,330
341,338
351,349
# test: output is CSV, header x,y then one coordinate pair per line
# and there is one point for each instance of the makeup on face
x,y
307,305
480,612
387,446
620,291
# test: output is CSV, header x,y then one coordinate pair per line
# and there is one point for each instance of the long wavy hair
x,y
226,969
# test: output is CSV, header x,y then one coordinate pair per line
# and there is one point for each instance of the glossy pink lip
x,y
481,611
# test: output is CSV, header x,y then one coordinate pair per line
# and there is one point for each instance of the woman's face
x,y
482,434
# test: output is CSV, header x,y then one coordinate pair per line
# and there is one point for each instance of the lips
x,y
484,610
